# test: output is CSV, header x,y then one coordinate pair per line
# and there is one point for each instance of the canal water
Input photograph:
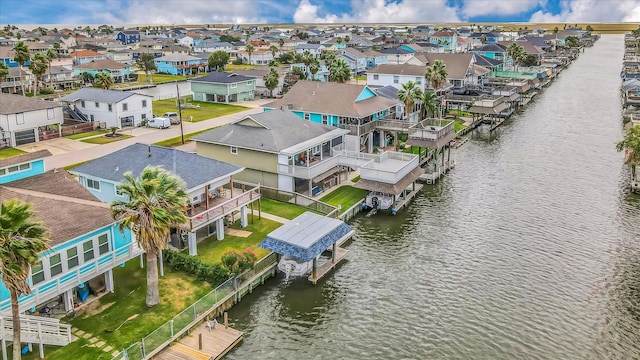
x,y
529,249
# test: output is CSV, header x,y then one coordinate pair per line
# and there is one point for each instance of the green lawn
x,y
10,152
206,110
355,179
177,141
105,140
282,209
210,250
347,196
159,78
87,134
177,291
231,67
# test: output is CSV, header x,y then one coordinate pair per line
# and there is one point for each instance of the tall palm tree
x,y
328,58
103,80
409,94
51,54
430,105
21,56
38,67
436,74
516,53
155,203
271,79
307,59
314,68
339,71
281,43
249,48
4,71
21,240
274,50
631,145
146,63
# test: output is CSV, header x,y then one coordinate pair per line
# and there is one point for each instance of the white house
x,y
186,40
114,108
396,75
22,119
314,49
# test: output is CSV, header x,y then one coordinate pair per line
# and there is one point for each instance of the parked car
x,y
159,123
172,116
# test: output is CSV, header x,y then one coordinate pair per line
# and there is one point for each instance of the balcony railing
x,y
378,170
309,172
489,101
216,212
431,129
358,130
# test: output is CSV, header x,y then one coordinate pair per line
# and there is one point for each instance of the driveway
x,y
57,146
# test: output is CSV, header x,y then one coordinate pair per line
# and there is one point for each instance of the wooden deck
x,y
341,253
215,344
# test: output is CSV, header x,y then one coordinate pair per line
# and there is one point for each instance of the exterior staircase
x,y
36,330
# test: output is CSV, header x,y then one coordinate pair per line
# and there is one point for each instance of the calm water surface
x,y
529,249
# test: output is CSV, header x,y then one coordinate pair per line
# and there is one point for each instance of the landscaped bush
x,y
180,261
237,62
47,91
236,263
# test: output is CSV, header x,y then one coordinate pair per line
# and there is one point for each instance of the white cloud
x,y
380,11
472,8
574,11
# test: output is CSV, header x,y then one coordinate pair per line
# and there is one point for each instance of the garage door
x,y
25,137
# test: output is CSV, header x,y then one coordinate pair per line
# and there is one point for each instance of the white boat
x,y
294,267
378,200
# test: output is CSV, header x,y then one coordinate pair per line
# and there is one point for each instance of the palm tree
x,y
281,43
103,80
314,68
21,56
51,54
249,48
4,71
328,58
409,94
271,79
146,63
516,53
339,71
274,50
483,39
21,240
430,104
155,203
436,74
631,145
86,77
307,59
38,67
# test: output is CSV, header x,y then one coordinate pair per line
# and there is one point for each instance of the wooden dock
x,y
340,254
408,196
216,343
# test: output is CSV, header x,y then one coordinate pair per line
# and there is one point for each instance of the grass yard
x,y
177,141
87,134
231,67
105,140
159,78
206,110
347,196
211,250
355,179
458,125
10,152
282,209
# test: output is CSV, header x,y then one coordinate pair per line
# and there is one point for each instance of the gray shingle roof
x,y
223,77
100,95
269,131
194,169
11,104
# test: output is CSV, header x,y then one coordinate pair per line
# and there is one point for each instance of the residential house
x,y
185,40
119,71
207,46
12,84
277,149
375,58
85,56
396,75
180,64
258,74
23,119
128,36
489,37
314,49
356,59
461,68
86,243
7,55
447,39
493,51
59,78
258,56
397,55
223,87
111,107
208,182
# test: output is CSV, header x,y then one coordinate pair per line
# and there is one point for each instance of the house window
x,y
396,79
82,103
325,119
72,258
418,80
37,273
26,166
110,107
87,250
13,169
233,86
125,107
144,103
250,82
307,116
2,172
55,265
376,77
234,150
51,114
97,105
19,118
93,184
103,244
91,117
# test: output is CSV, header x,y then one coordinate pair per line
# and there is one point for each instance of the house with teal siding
x,y
223,87
180,64
86,244
22,166
118,71
348,106
446,39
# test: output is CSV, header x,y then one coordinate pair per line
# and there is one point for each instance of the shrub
x,y
236,263
181,261
47,91
237,62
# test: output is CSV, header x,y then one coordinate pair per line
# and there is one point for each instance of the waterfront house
x,y
84,56
128,36
208,182
23,120
111,107
223,87
60,78
119,71
396,75
85,241
179,64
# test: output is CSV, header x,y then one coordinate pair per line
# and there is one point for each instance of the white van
x,y
159,123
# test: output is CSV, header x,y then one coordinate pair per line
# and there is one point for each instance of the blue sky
x,y
313,11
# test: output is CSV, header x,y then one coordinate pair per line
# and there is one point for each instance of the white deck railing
x,y
216,212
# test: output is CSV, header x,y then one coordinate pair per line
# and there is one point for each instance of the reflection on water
x,y
530,248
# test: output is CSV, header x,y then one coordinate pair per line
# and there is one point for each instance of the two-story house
x,y
208,182
209,47
396,75
111,107
119,71
313,49
446,39
179,64
356,59
84,56
23,119
59,78
128,36
12,84
223,87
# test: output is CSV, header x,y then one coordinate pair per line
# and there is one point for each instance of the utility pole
x,y
180,113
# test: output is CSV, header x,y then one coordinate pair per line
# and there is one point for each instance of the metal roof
x,y
306,236
100,95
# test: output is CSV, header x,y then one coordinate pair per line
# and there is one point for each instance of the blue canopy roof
x,y
306,236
